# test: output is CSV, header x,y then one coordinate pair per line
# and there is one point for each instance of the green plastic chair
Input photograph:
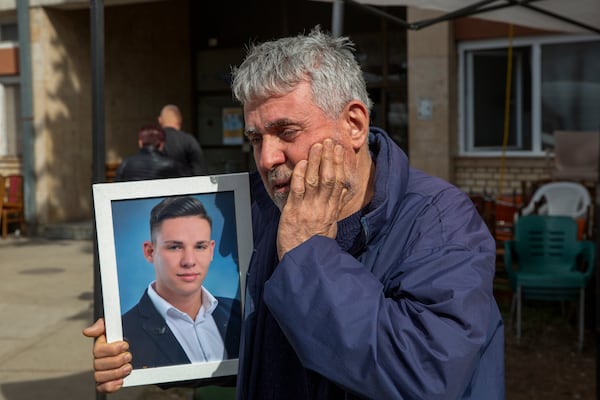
x,y
545,261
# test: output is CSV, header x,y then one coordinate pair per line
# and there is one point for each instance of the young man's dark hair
x,y
173,207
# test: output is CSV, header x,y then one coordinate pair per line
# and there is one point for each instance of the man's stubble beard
x,y
279,173
280,199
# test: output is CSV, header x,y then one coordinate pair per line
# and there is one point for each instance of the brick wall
x,y
478,175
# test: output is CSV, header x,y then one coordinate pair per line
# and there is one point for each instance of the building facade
x,y
178,51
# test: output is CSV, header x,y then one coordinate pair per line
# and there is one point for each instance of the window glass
x,y
10,102
562,75
12,107
489,99
9,33
570,87
487,103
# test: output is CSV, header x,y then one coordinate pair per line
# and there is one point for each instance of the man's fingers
x,y
111,365
340,177
104,349
328,169
109,387
96,329
111,380
111,360
321,176
297,186
311,178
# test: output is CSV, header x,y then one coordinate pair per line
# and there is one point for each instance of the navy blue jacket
x,y
409,315
153,344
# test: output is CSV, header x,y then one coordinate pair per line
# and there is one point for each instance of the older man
x,y
369,279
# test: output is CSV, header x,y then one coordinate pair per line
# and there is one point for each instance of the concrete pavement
x,y
46,299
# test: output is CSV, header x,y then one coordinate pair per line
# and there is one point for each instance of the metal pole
x,y
98,147
337,18
28,166
596,235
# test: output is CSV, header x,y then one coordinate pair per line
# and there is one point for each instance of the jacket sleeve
x,y
415,329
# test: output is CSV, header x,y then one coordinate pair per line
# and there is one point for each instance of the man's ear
x,y
356,117
212,249
149,252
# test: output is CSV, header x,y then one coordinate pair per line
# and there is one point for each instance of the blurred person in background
x,y
150,162
181,145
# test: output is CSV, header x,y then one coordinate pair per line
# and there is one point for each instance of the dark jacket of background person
x,y
184,148
408,278
150,162
153,344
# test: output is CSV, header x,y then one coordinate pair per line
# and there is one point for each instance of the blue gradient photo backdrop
x,y
132,227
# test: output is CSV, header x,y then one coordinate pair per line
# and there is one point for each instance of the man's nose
x,y
187,258
271,152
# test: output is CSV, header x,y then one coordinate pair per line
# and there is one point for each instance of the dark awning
x,y
575,16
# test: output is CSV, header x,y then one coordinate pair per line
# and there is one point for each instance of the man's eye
x,y
174,247
202,246
255,140
288,133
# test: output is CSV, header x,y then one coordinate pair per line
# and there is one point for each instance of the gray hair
x,y
327,63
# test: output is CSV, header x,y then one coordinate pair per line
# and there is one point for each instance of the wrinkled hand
x,y
111,360
316,197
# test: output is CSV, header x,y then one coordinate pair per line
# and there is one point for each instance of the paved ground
x,y
46,299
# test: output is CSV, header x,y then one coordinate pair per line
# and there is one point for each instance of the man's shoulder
x,y
131,319
169,131
143,306
181,139
188,137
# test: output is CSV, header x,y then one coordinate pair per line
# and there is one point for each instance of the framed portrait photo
x,y
173,257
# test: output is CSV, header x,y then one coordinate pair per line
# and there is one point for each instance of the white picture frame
x,y
122,211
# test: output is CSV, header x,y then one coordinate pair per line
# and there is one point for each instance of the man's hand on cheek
x,y
315,199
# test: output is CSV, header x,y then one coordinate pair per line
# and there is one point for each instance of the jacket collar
x,y
391,180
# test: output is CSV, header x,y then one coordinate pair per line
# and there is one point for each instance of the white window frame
x,y
465,85
6,80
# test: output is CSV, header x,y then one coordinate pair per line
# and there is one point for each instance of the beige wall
x,y
148,64
431,78
147,55
62,109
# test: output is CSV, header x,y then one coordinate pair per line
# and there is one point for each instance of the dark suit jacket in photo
x,y
153,344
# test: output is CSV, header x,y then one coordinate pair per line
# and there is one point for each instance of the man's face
x,y
181,254
282,130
